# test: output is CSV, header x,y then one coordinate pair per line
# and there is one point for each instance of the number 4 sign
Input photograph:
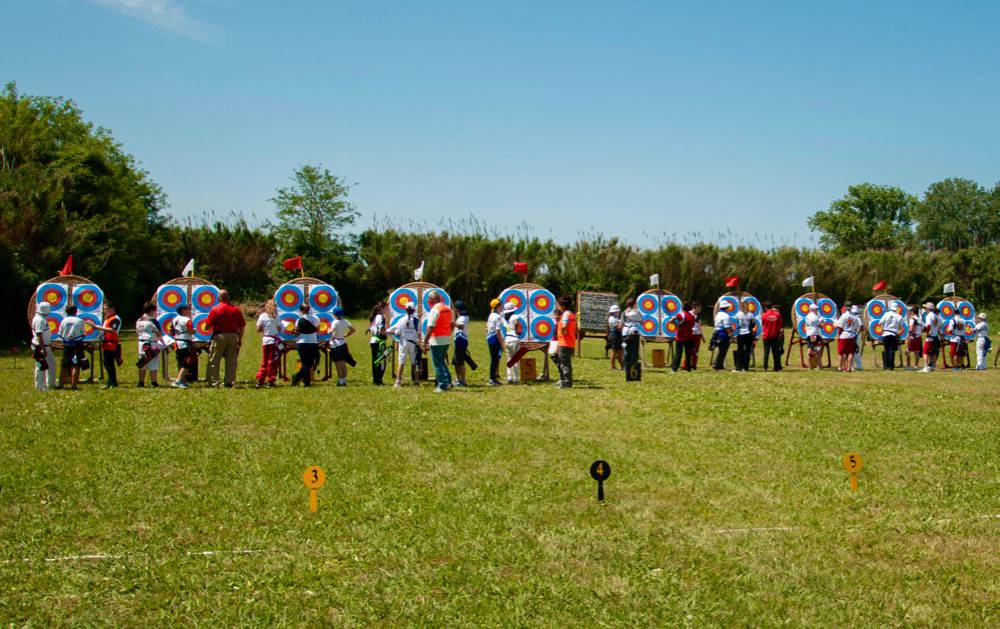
x,y
313,478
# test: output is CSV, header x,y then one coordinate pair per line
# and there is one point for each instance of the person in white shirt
x,y
915,340
892,326
462,356
958,350
847,342
494,341
72,332
267,325
148,334
814,337
982,341
378,342
722,331
512,342
183,329
745,333
340,354
407,331
932,345
41,347
307,344
614,343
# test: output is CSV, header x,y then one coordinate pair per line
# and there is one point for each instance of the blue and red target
x,y
966,310
204,297
289,297
752,305
90,324
88,297
542,301
904,329
902,307
170,297
827,329
946,309
286,326
648,304
201,330
435,291
543,328
165,319
54,320
728,303
400,297
800,327
54,294
826,307
669,328
324,331
650,326
671,305
322,297
801,306
875,330
875,309
513,296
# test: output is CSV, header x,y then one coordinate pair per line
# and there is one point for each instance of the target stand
x,y
963,313
658,308
871,327
536,305
322,299
827,311
202,296
59,292
730,302
418,293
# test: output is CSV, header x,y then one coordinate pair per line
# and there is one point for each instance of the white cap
x,y
509,307
615,308
813,307
44,308
981,315
895,307
411,305
854,310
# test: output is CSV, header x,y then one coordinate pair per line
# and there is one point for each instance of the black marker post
x,y
600,471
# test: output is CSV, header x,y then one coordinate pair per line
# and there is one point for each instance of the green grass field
x,y
727,504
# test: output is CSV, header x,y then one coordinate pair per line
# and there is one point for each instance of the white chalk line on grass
x,y
103,557
785,529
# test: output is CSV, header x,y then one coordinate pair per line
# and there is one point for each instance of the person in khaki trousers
x,y
227,324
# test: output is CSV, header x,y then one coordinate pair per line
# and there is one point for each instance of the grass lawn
x,y
727,504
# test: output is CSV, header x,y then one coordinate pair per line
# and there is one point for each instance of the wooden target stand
x,y
533,346
865,337
739,295
660,338
288,347
188,284
803,343
419,289
71,282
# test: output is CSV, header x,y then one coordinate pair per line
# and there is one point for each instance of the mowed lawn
x,y
727,504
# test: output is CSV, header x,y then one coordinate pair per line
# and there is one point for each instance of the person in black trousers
x,y
307,345
111,347
376,328
684,343
721,332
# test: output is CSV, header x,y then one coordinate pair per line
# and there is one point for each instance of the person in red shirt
x,y
684,341
227,324
566,340
773,335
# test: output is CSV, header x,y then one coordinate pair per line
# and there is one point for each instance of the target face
x,y
753,306
902,307
286,326
324,331
827,329
671,305
165,319
201,329
542,302
400,297
876,308
875,330
968,330
827,308
205,297
946,309
966,310
729,304
90,331
435,291
513,296
800,327
669,328
289,297
519,328
54,320
904,329
54,294
88,297
543,328
649,326
648,304
322,297
170,298
801,306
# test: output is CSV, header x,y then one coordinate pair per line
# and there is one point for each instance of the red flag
x,y
68,267
733,282
881,285
293,264
520,267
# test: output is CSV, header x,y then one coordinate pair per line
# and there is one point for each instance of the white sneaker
x,y
438,390
397,386
926,370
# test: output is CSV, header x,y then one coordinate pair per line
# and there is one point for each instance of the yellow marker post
x,y
313,478
852,463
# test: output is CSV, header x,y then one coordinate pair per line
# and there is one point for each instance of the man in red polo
x,y
684,342
773,335
227,324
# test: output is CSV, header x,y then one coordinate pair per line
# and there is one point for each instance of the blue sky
x,y
633,119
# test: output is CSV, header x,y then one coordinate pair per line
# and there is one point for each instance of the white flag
x,y
809,281
188,269
949,288
654,279
418,272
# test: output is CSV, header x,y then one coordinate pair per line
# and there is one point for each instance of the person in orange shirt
x,y
566,337
439,327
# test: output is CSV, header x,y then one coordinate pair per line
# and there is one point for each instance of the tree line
x,y
66,186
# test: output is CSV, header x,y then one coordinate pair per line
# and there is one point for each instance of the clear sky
x,y
633,119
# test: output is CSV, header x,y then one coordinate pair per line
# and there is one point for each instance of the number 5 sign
x,y
314,477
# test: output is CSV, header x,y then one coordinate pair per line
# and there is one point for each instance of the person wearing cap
x,y
340,354
773,335
849,324
41,348
377,343
566,339
746,324
958,350
514,325
438,339
182,327
914,341
462,356
983,342
307,344
892,327
494,341
407,331
614,342
814,340
932,344
721,338
71,331
631,322
684,340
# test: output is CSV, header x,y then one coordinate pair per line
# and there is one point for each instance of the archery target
x,y
88,297
400,297
204,297
902,307
286,325
827,329
876,308
165,319
966,310
753,306
946,308
543,328
647,304
649,326
875,330
54,320
201,329
801,307
827,308
513,296
289,297
800,327
671,305
520,328
90,332
669,328
542,302
55,294
431,291
904,329
967,329
322,297
392,324
324,331
169,297
728,303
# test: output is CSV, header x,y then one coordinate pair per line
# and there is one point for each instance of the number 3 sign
x,y
313,477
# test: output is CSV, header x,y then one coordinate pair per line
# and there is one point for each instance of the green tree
x,y
957,213
867,217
